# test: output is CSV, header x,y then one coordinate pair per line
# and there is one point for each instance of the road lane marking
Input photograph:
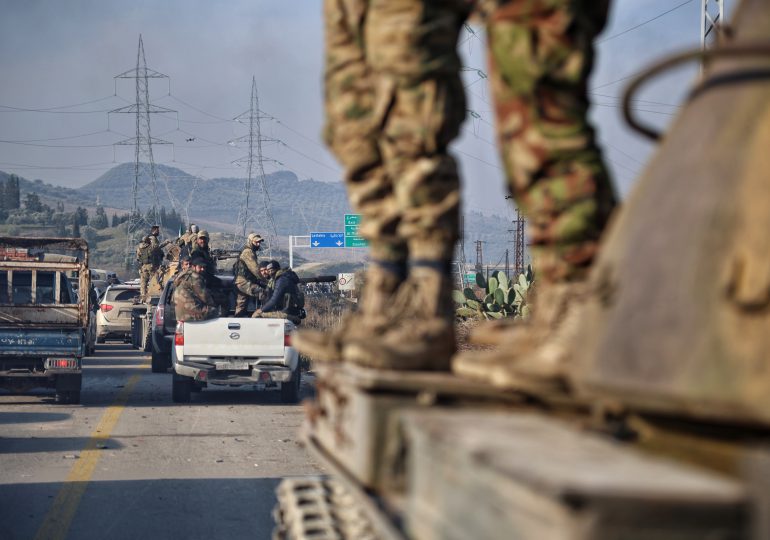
x,y
59,518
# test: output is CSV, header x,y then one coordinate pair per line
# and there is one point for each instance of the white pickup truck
x,y
235,352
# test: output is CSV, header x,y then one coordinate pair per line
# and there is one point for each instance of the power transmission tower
x,y
519,226
712,14
479,256
259,214
142,141
458,265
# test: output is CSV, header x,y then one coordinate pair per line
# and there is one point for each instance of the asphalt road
x,y
129,463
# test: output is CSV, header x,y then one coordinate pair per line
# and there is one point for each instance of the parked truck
x,y
44,324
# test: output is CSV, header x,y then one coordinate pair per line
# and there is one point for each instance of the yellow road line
x,y
59,518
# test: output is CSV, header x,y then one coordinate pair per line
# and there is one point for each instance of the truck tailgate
x,y
230,337
40,342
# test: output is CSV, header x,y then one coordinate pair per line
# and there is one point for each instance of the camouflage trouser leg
x,y
146,273
352,127
243,291
411,48
541,54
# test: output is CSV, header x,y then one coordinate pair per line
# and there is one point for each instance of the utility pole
x,y
142,141
260,214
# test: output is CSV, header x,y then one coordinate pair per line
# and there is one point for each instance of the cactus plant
x,y
502,297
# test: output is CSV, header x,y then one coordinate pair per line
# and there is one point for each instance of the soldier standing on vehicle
x,y
192,299
150,255
202,249
286,301
186,242
248,282
395,65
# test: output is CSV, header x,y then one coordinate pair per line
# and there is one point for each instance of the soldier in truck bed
x,y
149,254
192,299
286,301
248,282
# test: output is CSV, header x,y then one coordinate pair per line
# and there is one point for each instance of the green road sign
x,y
351,230
352,219
356,242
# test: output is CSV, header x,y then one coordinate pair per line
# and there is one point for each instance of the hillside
x,y
298,206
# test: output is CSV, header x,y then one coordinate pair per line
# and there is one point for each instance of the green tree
x,y
99,221
32,203
115,220
75,228
12,193
81,216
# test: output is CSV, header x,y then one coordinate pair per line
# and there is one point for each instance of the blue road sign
x,y
327,239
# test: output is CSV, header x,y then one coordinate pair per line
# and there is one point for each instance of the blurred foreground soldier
x,y
192,300
248,282
394,63
202,249
150,255
286,301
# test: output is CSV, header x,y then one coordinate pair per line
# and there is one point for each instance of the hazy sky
x,y
62,56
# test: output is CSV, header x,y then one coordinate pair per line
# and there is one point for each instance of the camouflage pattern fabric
x,y
541,54
192,300
352,128
146,273
394,101
246,284
277,315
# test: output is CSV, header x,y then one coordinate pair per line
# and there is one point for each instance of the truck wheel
x,y
159,362
146,341
290,389
181,387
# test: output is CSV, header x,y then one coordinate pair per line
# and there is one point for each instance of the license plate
x,y
235,364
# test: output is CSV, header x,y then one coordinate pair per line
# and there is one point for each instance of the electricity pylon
x,y
144,162
259,214
711,17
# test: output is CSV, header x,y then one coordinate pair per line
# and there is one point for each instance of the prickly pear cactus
x,y
501,297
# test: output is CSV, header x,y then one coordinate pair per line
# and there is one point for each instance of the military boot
x,y
532,353
420,333
380,285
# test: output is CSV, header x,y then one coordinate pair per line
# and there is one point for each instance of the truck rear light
x,y
61,363
179,335
159,314
264,376
105,308
287,340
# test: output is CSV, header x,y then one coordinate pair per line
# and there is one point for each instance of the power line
x,y
627,30
62,138
54,109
